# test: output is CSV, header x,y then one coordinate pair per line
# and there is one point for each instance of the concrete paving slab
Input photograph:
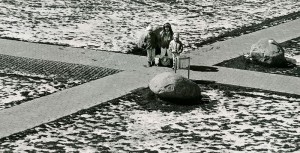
x,y
252,79
49,108
72,55
231,48
66,102
208,55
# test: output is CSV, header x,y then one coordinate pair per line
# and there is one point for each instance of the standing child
x,y
151,43
176,47
166,37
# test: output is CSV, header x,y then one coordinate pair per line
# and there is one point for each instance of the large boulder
x,y
172,86
269,52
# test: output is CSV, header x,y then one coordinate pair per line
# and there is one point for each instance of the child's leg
x,y
153,56
174,60
149,54
163,52
149,58
169,53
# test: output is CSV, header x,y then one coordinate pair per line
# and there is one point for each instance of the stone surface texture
x,y
267,51
173,86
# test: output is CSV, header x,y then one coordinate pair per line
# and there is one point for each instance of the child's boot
x,y
149,64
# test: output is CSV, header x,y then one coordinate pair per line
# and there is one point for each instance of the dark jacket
x,y
151,41
166,38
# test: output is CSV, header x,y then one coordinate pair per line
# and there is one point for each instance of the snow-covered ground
x,y
23,79
16,89
115,25
247,121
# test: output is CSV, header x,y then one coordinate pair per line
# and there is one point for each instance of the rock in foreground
x,y
172,86
269,52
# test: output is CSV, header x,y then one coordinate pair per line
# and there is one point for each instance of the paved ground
x,y
63,103
220,51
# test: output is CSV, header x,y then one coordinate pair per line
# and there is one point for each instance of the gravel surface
x,y
16,89
235,119
292,49
23,79
115,25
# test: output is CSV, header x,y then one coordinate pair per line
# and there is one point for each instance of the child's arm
x,y
144,42
180,48
171,47
145,39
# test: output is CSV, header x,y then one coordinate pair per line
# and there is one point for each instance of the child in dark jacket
x,y
166,37
151,43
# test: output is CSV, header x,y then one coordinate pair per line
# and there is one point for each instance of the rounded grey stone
x,y
169,85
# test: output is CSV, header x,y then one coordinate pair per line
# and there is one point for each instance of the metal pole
x,y
189,69
175,66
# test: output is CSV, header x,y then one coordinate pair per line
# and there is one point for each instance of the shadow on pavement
x,y
203,68
204,82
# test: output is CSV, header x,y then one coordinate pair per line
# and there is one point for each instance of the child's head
x,y
167,27
176,36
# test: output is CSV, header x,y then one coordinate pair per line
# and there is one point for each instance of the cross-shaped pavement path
x,y
135,75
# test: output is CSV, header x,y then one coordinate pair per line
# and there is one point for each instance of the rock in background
x,y
269,52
